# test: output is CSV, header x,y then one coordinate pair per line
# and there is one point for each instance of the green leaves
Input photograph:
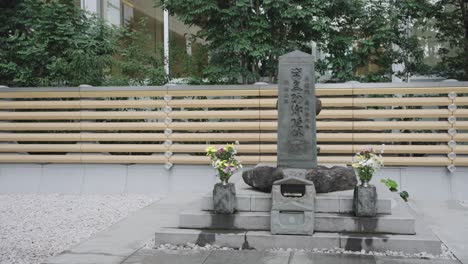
x,y
52,43
393,187
391,184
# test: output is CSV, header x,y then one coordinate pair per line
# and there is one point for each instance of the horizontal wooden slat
x,y
389,161
88,115
78,158
226,126
229,92
230,137
244,148
107,104
227,103
186,159
392,101
234,114
390,90
391,113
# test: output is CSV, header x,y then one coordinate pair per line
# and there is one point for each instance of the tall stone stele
x,y
297,143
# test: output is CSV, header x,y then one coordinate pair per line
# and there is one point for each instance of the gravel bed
x,y
446,253
34,227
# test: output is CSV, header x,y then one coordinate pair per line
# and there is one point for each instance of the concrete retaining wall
x,y
428,183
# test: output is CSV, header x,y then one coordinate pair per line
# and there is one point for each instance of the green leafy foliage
x,y
391,184
245,38
52,43
372,35
451,22
393,187
137,61
404,195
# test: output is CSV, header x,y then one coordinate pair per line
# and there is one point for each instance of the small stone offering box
x,y
293,202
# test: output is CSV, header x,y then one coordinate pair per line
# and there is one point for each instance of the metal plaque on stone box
x,y
297,144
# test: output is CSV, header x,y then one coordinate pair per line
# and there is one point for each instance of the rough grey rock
x,y
224,198
262,176
318,106
365,201
336,178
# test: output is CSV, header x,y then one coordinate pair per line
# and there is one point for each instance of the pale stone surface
x,y
292,222
324,222
224,198
365,201
296,121
324,203
285,203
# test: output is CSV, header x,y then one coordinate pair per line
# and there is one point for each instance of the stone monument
x,y
297,142
297,146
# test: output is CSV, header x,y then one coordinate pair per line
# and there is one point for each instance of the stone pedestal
x,y
224,198
293,207
365,201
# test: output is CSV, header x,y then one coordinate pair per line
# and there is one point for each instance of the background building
x,y
164,29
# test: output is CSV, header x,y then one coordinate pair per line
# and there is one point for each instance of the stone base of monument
x,y
394,228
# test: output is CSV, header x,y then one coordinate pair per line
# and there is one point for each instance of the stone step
x,y
424,241
323,203
324,222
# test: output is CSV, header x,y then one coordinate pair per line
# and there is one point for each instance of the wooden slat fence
x,y
174,124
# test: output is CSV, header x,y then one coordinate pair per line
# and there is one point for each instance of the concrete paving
x,y
449,221
152,256
121,243
124,238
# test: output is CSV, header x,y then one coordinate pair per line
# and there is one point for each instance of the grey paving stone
x,y
393,260
247,257
324,222
232,239
314,258
261,240
323,203
152,256
71,258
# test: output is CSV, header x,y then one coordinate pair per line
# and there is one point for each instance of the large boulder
x,y
336,178
262,176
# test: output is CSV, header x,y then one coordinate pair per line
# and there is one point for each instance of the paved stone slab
x,y
152,256
449,221
423,241
122,239
393,260
261,240
146,256
314,258
85,259
223,238
323,203
247,257
402,223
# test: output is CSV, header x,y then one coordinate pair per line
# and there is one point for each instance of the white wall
x,y
427,183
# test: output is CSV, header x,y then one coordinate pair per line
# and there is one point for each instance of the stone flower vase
x,y
224,198
365,200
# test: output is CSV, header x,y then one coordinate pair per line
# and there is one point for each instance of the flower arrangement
x,y
366,163
224,161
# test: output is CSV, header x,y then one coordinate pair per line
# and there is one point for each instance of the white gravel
x,y
34,227
446,253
